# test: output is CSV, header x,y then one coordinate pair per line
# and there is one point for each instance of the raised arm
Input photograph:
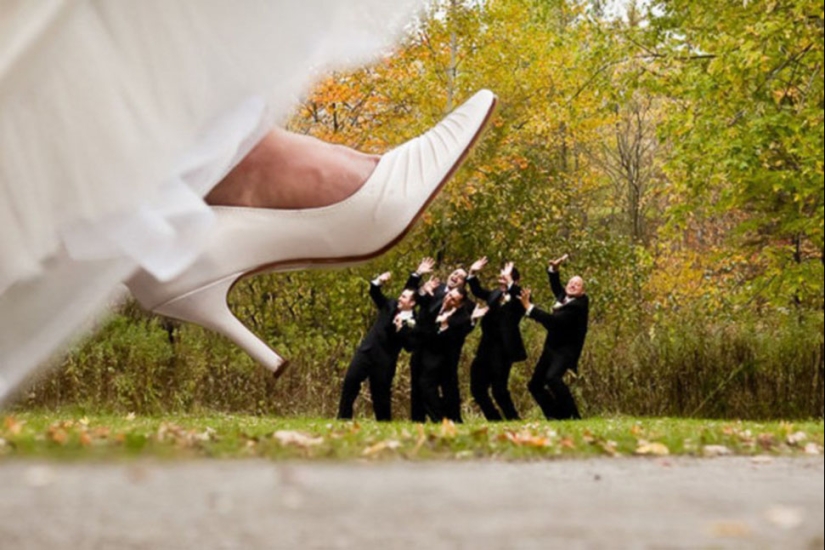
x,y
475,284
479,291
538,315
555,277
424,268
376,294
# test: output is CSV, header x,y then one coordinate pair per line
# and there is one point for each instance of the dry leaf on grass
x,y
298,439
797,438
716,450
525,438
646,448
813,449
380,447
13,426
58,435
448,429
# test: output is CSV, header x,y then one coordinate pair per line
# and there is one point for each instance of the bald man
x,y
566,328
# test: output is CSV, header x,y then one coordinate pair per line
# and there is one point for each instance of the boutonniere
x,y
410,322
506,298
558,305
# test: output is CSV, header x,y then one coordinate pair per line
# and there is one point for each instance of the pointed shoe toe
x,y
246,241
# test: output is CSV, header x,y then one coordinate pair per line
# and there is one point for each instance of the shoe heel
x,y
207,307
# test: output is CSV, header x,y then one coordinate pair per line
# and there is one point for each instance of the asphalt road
x,y
601,503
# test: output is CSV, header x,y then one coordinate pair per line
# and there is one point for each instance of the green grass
x,y
62,436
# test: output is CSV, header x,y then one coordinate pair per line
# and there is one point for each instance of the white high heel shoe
x,y
247,241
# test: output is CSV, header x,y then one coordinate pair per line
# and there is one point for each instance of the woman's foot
x,y
287,172
293,171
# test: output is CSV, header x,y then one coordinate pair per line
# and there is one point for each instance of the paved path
x,y
611,504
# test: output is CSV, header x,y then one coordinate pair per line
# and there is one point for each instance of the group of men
x,y
432,319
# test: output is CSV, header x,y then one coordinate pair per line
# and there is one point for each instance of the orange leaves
x,y
77,432
525,438
58,434
646,448
13,426
381,446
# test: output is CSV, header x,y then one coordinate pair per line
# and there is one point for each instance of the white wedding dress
x,y
117,117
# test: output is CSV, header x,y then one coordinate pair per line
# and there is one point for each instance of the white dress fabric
x,y
117,117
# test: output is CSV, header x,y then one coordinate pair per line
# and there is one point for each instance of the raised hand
x,y
479,312
507,272
558,261
399,323
444,318
384,277
430,286
524,297
426,266
478,265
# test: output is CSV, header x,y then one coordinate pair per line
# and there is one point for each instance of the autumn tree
x,y
747,132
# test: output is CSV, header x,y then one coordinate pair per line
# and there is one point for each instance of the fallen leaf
x,y
13,426
646,448
567,443
85,439
208,435
298,439
101,432
716,450
131,417
611,448
813,449
797,438
448,429
380,447
526,438
58,435
762,459
767,441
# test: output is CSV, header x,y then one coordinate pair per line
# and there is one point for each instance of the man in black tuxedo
x,y
377,356
501,343
566,328
430,300
439,346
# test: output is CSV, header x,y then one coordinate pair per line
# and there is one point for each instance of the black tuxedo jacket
x,y
440,345
500,327
384,342
566,327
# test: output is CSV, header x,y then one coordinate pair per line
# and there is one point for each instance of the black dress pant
x,y
491,371
418,413
380,378
551,393
438,387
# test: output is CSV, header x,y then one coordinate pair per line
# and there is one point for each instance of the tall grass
x,y
687,364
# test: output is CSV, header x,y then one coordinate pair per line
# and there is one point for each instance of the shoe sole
x,y
327,263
